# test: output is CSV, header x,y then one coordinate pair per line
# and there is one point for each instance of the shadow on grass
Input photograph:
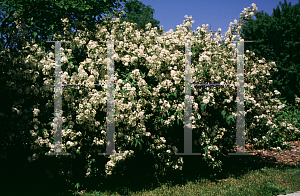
x,y
194,169
136,177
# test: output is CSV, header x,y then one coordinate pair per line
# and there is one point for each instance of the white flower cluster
x,y
97,141
116,158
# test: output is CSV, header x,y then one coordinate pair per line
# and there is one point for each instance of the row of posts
x,y
110,132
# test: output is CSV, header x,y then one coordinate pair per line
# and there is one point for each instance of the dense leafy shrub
x,y
149,100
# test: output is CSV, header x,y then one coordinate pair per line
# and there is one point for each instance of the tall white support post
x,y
188,132
57,101
240,118
110,132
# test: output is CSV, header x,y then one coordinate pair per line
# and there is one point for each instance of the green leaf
x,y
77,185
203,107
230,118
223,114
34,34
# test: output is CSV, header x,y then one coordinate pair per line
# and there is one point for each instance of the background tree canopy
x,y
137,12
276,38
41,19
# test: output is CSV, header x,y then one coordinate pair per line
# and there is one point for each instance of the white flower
x,y
278,148
110,163
65,20
206,101
119,158
70,143
87,112
276,92
36,111
281,106
216,147
163,139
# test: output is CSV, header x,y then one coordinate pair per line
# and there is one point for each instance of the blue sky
x,y
215,13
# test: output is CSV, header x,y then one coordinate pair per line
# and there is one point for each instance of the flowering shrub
x,y
149,95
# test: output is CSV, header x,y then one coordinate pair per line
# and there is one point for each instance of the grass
x,y
255,181
265,181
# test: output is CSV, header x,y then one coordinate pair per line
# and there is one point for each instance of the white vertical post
x,y
240,118
57,101
110,132
188,132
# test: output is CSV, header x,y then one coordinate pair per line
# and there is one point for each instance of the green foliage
x,y
276,38
41,23
137,12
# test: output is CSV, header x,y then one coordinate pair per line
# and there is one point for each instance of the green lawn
x,y
264,181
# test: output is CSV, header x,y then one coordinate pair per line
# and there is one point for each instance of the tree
x,y
42,18
137,12
275,38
